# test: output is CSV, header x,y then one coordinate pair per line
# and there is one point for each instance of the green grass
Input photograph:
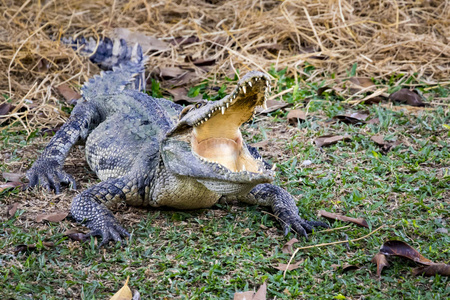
x,y
216,252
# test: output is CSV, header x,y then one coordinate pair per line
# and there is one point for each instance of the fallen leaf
x,y
294,116
385,145
288,247
272,105
408,97
56,217
334,216
14,177
67,92
148,43
244,295
5,108
28,247
362,81
11,210
261,294
381,261
346,268
433,269
9,185
373,121
288,267
180,96
352,118
200,61
171,72
124,293
76,235
399,248
327,140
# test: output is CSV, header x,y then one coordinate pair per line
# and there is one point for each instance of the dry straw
x,y
384,37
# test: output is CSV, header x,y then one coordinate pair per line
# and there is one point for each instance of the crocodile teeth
x,y
244,89
223,110
267,83
265,105
227,104
243,168
250,84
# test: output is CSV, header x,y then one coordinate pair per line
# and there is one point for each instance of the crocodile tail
x,y
125,65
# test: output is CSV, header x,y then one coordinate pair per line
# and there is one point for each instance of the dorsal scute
x,y
128,75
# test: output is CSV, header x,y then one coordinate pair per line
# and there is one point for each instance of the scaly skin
x,y
152,152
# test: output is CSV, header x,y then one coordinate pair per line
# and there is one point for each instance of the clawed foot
x,y
48,173
302,227
110,231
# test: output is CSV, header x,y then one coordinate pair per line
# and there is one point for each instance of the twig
x,y
328,244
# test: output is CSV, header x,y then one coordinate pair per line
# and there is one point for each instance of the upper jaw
x,y
254,86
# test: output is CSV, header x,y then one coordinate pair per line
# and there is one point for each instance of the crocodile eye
x,y
200,104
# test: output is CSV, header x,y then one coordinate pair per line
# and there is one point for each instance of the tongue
x,y
219,150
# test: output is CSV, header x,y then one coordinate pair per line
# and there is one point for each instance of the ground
x,y
214,253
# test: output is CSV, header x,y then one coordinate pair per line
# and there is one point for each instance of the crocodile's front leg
x,y
47,169
283,206
91,207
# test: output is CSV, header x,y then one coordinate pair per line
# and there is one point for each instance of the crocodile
x,y
153,152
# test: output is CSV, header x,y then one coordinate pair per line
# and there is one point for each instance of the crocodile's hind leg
x,y
284,208
91,207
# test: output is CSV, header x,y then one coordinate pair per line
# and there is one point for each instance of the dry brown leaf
x,y
28,247
327,140
124,293
56,217
67,92
385,145
76,235
11,210
5,108
362,81
148,43
244,295
334,216
14,177
180,96
272,105
399,248
288,267
199,62
261,294
352,118
288,247
373,121
433,269
347,268
381,261
296,115
9,185
408,97
171,72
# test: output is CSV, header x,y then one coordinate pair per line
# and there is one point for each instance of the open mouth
x,y
216,136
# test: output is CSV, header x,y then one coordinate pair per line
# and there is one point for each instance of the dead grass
x,y
384,37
